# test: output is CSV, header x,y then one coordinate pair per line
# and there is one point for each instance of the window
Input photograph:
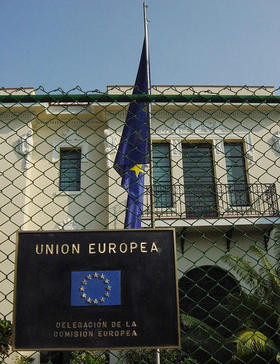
x,y
236,174
70,169
199,182
203,288
162,175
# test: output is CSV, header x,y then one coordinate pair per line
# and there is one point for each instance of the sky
x,y
61,44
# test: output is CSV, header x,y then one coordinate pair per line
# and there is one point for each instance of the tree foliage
x,y
5,336
259,309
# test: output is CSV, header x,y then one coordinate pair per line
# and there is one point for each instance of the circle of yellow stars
x,y
96,300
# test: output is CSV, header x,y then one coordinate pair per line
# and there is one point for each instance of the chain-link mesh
x,y
215,179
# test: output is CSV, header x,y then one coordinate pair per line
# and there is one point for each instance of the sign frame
x,y
121,250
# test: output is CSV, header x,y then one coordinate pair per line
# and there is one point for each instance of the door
x,y
199,182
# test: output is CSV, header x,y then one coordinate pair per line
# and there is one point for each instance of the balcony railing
x,y
212,201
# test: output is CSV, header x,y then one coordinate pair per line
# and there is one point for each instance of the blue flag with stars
x,y
96,288
134,149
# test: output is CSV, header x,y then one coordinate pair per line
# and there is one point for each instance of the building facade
x,y
215,177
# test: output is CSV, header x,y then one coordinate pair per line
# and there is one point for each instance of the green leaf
x,y
250,341
247,272
194,323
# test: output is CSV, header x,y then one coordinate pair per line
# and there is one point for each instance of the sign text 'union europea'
x,y
97,248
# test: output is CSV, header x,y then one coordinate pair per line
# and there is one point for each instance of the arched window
x,y
203,288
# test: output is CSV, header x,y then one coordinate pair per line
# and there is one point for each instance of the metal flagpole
x,y
149,111
150,135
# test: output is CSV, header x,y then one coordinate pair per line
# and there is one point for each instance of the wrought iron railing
x,y
208,200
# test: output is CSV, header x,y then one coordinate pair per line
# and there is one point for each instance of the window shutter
x,y
162,175
199,182
236,174
70,170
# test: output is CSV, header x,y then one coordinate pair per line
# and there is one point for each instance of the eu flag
x,y
96,288
134,149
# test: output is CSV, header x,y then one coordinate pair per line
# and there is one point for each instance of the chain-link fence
x,y
215,153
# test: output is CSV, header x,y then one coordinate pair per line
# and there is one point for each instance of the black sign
x,y
96,289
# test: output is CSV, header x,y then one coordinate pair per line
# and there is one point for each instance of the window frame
x,y
233,201
213,207
170,199
75,183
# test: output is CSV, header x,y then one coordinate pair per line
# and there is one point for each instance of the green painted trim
x,y
105,98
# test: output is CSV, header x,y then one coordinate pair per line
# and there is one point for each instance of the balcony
x,y
205,201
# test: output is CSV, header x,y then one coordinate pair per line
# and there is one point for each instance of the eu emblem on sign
x,y
94,288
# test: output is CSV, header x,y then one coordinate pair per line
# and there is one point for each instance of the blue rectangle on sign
x,y
96,288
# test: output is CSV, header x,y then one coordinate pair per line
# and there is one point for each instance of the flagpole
x,y
150,134
149,111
